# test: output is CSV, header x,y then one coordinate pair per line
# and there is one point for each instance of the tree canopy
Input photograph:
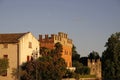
x,y
80,68
111,58
49,67
93,55
75,55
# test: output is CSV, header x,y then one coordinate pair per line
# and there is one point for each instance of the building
x,y
18,48
50,41
95,67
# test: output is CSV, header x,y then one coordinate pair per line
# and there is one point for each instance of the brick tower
x,y
61,37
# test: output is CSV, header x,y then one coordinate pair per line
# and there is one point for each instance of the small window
x,y
30,45
5,56
5,45
66,52
28,58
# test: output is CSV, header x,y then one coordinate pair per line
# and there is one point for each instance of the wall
x,y
18,52
95,67
49,42
11,51
24,49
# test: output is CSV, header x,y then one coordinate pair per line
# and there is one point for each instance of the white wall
x,y
24,49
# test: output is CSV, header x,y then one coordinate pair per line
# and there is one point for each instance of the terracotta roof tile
x,y
10,37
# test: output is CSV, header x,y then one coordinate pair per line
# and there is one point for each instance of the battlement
x,y
59,37
94,61
62,35
95,67
49,41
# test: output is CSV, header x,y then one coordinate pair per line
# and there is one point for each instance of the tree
x,y
80,68
3,66
44,51
30,70
93,55
75,55
83,70
84,60
111,58
47,67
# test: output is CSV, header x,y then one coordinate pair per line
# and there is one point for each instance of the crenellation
x,y
93,61
46,37
61,37
95,67
69,41
66,36
60,34
52,36
40,37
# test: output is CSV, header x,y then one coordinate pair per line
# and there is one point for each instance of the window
x,y
5,45
28,58
66,52
30,45
5,56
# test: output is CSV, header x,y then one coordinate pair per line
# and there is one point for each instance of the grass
x,y
87,76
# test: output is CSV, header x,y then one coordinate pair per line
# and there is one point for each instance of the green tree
x,y
75,55
44,51
83,70
84,60
111,58
93,55
80,68
29,70
47,67
4,64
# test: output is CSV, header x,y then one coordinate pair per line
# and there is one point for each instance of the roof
x,y
10,37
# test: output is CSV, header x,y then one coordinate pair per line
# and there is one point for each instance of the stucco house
x,y
18,48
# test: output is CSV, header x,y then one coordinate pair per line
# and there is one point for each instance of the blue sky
x,y
89,23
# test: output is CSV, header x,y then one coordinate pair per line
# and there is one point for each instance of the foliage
x,y
47,67
93,55
75,55
51,69
83,70
15,73
84,60
77,64
29,70
111,58
4,64
80,68
71,74
44,51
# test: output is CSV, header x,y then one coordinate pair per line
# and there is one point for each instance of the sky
x,y
89,23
